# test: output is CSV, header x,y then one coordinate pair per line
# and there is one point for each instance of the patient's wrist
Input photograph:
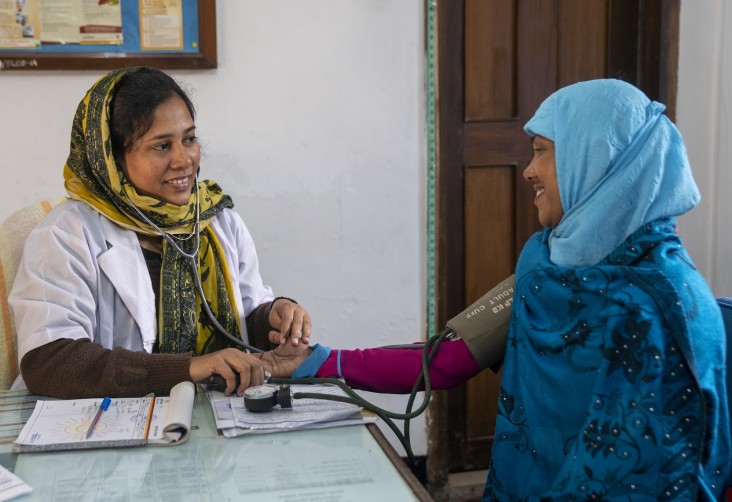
x,y
315,360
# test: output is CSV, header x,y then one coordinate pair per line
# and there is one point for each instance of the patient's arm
x,y
396,370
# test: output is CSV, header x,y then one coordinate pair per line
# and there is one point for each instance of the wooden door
x,y
497,61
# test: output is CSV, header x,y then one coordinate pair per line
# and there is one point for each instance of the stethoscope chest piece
x,y
265,397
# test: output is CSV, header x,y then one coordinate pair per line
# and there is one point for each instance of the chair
x,y
13,232
725,305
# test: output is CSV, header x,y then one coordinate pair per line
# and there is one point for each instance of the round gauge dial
x,y
260,391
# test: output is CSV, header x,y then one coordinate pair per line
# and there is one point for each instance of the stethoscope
x,y
277,391
192,258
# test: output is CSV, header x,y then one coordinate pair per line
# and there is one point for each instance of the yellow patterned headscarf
x,y
92,175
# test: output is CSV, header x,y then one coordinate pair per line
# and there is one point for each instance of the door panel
x,y
582,27
489,213
490,43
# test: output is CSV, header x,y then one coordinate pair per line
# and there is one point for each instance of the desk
x,y
351,463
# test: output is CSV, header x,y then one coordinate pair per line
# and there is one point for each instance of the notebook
x,y
150,420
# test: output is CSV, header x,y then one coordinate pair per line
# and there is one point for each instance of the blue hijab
x,y
620,163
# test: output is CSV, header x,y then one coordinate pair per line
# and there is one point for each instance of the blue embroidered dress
x,y
611,380
613,383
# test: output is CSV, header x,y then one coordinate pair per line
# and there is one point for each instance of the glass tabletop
x,y
335,464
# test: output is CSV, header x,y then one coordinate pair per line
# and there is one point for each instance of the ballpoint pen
x,y
102,408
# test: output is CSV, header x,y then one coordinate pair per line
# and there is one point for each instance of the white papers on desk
x,y
233,419
11,486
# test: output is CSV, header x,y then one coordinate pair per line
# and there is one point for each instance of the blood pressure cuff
x,y
484,325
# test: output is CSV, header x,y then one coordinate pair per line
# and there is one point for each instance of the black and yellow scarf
x,y
92,176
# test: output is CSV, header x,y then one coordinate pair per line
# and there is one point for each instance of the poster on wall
x,y
26,24
161,25
19,24
104,34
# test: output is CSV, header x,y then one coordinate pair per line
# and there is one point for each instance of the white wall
x,y
314,123
703,112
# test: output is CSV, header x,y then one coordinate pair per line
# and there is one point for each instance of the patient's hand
x,y
285,359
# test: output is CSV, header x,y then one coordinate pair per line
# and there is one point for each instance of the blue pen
x,y
102,408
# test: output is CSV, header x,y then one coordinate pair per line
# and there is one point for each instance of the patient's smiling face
x,y
542,173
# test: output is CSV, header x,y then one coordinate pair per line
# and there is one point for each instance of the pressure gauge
x,y
265,397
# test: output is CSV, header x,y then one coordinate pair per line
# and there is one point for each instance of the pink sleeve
x,y
395,370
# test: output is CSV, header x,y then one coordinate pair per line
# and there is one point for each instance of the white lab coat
x,y
83,276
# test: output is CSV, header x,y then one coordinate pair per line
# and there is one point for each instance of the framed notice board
x,y
107,34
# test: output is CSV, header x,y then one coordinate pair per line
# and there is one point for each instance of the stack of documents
x,y
233,419
12,486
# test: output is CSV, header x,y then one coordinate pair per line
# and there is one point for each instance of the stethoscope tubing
x,y
192,258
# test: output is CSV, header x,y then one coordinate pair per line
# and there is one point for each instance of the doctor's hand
x,y
289,320
228,363
285,359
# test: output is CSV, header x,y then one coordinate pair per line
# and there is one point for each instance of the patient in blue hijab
x,y
613,379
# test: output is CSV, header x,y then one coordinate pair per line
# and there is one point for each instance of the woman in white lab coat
x,y
146,266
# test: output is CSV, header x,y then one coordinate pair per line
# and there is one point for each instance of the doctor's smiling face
x,y
542,173
162,163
